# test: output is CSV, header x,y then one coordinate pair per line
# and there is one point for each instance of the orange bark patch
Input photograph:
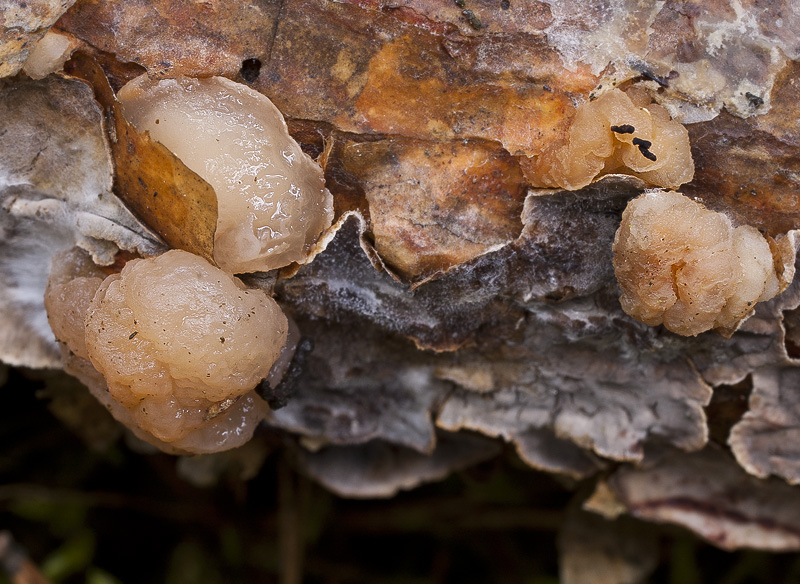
x,y
436,205
420,94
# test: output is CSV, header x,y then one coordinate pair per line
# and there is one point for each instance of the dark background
x,y
88,508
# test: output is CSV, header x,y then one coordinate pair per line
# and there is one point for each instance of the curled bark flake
x,y
378,469
709,494
55,193
767,439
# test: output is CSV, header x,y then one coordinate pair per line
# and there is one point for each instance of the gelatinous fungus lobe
x,y
689,268
271,197
73,282
178,340
617,132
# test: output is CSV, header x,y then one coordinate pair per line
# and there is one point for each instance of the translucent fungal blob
x,y
172,346
688,268
73,282
615,133
271,196
178,340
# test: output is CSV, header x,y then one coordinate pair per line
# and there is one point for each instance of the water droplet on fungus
x,y
226,133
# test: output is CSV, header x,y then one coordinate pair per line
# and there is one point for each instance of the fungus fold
x,y
272,200
172,345
690,269
617,132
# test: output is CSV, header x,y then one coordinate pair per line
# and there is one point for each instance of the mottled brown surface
x,y
22,24
152,181
750,168
177,37
436,205
422,91
368,71
362,70
487,16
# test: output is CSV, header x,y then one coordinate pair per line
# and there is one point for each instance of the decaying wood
x,y
452,296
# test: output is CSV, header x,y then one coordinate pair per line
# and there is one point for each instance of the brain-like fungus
x,y
180,346
272,200
73,282
617,132
690,269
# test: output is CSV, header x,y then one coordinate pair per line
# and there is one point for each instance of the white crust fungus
x,y
172,346
688,268
272,200
615,133
55,193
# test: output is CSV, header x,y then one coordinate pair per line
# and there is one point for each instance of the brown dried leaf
x,y
709,494
152,181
